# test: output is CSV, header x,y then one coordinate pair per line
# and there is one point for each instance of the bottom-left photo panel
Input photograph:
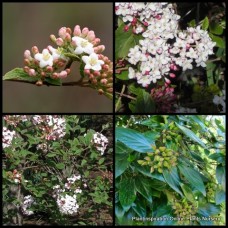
x,y
57,170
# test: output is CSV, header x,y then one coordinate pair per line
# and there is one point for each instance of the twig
x,y
125,95
119,99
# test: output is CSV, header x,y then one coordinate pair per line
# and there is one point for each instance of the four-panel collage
x,y
143,146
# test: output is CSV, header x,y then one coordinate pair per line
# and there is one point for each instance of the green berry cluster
x,y
161,158
184,210
211,188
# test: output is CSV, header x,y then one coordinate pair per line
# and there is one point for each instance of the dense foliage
x,y
57,170
170,170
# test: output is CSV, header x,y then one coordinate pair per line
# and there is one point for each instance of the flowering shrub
x,y
55,170
152,50
170,170
53,64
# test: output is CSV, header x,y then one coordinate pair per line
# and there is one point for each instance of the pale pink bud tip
x,y
91,36
77,30
32,72
68,30
104,81
53,38
63,74
35,50
68,70
39,83
59,41
100,91
85,31
97,73
86,71
27,54
172,75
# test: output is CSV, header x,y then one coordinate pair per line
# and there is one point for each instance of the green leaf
x,y
140,208
24,153
143,187
215,28
133,139
51,81
124,41
123,75
205,23
188,192
19,74
83,162
144,103
127,194
220,175
172,179
135,89
50,155
220,196
101,161
192,23
60,166
72,56
122,149
193,177
208,209
121,164
119,212
191,135
220,158
219,41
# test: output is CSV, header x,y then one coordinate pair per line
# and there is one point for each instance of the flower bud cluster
x,y
66,197
165,49
100,142
164,98
184,210
161,158
7,137
27,203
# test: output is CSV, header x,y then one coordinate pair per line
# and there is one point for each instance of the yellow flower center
x,y
84,43
93,61
46,56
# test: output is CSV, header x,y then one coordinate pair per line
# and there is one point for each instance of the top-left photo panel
x,y
57,57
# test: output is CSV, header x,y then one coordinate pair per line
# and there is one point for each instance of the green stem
x,y
119,99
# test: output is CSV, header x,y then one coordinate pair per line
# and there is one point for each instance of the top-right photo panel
x,y
170,57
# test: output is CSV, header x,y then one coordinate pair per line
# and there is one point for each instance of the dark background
x,y
29,24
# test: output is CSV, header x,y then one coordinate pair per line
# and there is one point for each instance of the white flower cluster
x,y
7,137
220,100
164,48
67,204
27,203
57,126
180,109
100,142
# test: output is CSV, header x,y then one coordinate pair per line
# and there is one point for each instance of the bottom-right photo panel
x,y
170,170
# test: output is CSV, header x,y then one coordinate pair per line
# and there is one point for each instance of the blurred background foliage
x,y
29,24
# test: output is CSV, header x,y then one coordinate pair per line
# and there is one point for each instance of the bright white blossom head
x,y
82,46
100,142
92,62
45,59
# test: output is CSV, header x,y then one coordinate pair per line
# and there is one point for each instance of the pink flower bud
x,y
96,41
39,83
68,71
159,51
97,73
68,30
62,32
105,59
91,77
53,38
172,75
27,54
68,37
110,90
59,41
55,75
167,80
86,71
100,91
49,69
126,28
104,75
94,81
32,72
110,79
85,31
60,64
105,67
104,81
147,72
158,17
26,62
26,69
116,8
91,35
145,23
63,74
43,74
188,46
35,50
77,30
134,21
